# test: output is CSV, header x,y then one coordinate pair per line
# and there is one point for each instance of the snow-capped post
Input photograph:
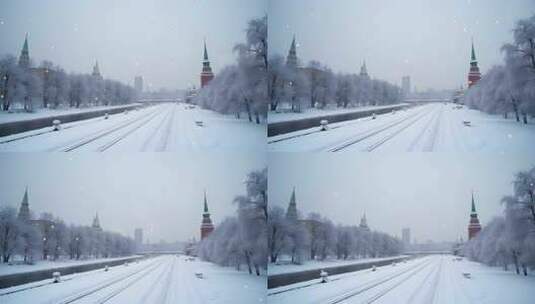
x,y
56,276
374,268
324,123
324,276
106,268
56,123
125,112
106,115
374,116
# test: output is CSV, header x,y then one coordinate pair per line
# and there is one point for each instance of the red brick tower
x,y
206,225
473,227
474,75
206,74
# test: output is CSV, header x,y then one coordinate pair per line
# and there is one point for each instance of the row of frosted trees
x,y
241,240
510,239
241,87
53,239
49,86
317,86
510,88
317,238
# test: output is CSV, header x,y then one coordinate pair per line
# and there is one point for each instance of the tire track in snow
x,y
151,137
370,133
168,128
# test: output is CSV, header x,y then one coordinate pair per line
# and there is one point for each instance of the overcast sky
x,y
159,192
426,39
162,40
427,192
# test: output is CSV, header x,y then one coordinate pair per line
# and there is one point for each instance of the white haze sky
x,y
162,40
159,192
426,39
427,192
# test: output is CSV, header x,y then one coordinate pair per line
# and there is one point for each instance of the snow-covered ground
x,y
164,127
438,127
434,279
309,265
42,265
164,279
40,113
308,113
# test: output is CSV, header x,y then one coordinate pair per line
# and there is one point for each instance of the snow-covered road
x,y
164,127
164,279
438,127
434,279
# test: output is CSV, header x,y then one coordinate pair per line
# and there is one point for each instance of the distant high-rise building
x,y
364,70
24,58
291,59
364,223
406,236
291,213
473,75
96,71
24,210
138,84
406,86
206,75
138,237
96,223
206,225
474,226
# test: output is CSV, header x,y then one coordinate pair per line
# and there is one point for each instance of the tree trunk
x,y
248,260
525,118
515,260
257,118
515,108
248,107
524,269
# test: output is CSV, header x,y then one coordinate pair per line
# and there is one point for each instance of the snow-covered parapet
x,y
56,276
324,123
324,276
56,124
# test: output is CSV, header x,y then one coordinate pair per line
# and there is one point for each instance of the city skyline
x,y
129,38
430,194
166,201
369,30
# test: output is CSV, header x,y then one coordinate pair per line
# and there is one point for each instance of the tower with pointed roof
x,y
96,223
364,70
24,58
291,213
291,59
206,74
473,75
24,210
206,225
473,227
96,71
364,223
